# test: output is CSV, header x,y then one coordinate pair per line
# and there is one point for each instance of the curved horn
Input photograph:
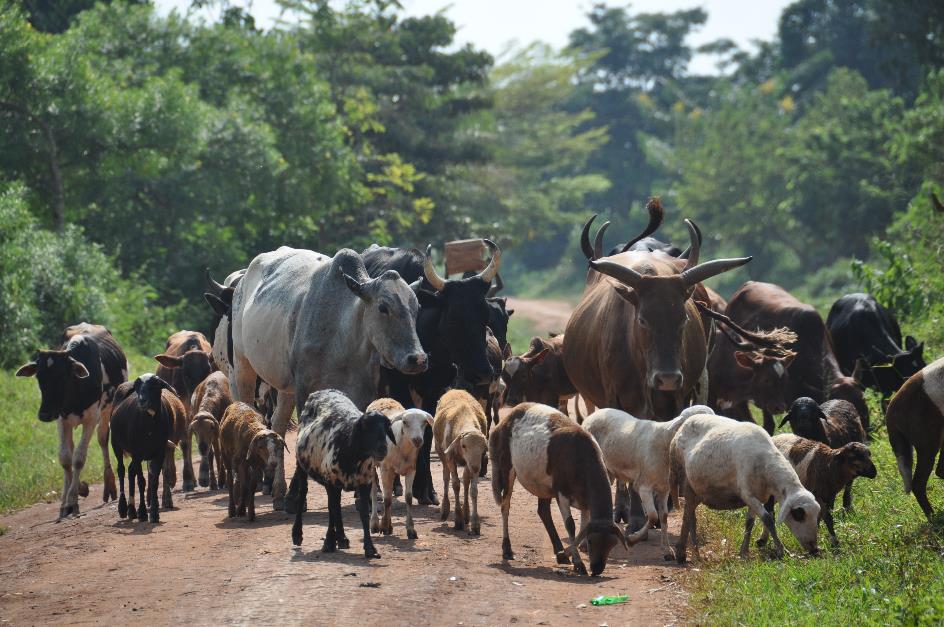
x,y
688,251
694,247
494,289
699,273
432,276
598,241
585,238
217,288
494,264
621,273
656,215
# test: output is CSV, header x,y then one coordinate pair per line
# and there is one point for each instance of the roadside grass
x,y
887,570
29,449
520,332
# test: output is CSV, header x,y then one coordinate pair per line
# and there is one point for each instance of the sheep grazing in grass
x,y
834,423
636,452
248,449
459,433
553,458
825,471
338,446
727,464
407,426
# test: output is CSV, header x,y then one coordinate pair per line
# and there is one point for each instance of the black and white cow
x,y
339,446
77,382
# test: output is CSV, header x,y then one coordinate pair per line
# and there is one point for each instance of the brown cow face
x,y
766,377
661,317
195,366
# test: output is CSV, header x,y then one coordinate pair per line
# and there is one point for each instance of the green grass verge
x,y
888,569
29,449
520,332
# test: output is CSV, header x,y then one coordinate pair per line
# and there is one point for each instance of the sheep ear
x,y
453,448
253,444
786,419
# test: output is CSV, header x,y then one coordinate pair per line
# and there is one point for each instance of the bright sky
x,y
493,24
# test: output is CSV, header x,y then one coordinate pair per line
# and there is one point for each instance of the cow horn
x,y
699,273
656,215
621,273
585,239
694,248
598,241
494,289
494,264
432,276
217,288
688,251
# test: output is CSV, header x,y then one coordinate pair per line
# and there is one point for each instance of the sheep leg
x,y
374,514
688,524
662,505
186,447
110,490
387,476
472,485
220,466
211,456
362,500
652,516
132,474
122,501
242,473
280,419
251,493
408,483
155,466
769,425
232,492
460,511
748,528
300,489
444,505
507,553
764,536
423,482
826,513
919,481
544,513
170,477
757,508
847,497
142,506
339,536
621,507
563,503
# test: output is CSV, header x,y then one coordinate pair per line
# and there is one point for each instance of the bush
x,y
49,280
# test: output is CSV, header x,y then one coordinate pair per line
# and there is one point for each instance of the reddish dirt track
x,y
199,566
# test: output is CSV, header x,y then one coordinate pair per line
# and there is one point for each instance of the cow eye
x,y
384,309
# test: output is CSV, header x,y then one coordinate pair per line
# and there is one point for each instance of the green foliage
x,y
888,569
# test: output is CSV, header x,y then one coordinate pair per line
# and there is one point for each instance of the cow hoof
x,y
204,482
155,518
371,553
476,530
398,490
387,530
189,485
580,569
460,525
266,489
562,557
122,507
83,489
142,513
374,528
344,543
668,557
411,534
328,547
167,502
214,486
288,505
232,512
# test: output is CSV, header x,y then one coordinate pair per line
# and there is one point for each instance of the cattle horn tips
x,y
598,240
585,238
494,263
436,281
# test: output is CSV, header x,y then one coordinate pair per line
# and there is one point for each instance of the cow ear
x,y
28,370
427,298
79,369
216,304
509,312
169,361
355,286
744,360
910,342
137,385
506,352
627,294
919,349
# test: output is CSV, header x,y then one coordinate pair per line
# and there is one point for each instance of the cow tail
x,y
903,455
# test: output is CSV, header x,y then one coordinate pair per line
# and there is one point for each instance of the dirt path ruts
x,y
199,566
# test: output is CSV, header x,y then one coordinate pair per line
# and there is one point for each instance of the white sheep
x,y
727,464
408,426
636,452
459,434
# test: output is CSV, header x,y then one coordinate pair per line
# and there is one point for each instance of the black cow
x,y
865,332
77,385
450,325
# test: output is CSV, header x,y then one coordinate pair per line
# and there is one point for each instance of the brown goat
x,y
825,471
248,448
459,433
210,400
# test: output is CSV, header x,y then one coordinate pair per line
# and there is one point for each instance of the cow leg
x,y
423,482
170,476
362,500
621,508
544,513
66,447
300,488
90,420
109,490
410,529
186,447
769,424
563,503
280,419
637,515
122,501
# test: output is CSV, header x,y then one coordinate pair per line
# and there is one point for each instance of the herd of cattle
x,y
382,359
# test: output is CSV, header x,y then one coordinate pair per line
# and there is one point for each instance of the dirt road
x,y
548,316
199,566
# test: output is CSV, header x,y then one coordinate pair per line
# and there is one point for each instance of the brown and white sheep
x,y
407,426
915,422
247,448
459,434
553,458
824,471
210,400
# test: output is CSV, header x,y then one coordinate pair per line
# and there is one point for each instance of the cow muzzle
x,y
666,380
415,363
46,416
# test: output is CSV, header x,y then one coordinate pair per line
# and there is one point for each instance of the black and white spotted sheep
x,y
338,446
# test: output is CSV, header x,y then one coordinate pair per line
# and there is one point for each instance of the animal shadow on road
x,y
263,519
548,573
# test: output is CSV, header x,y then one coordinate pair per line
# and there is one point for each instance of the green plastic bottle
x,y
605,600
